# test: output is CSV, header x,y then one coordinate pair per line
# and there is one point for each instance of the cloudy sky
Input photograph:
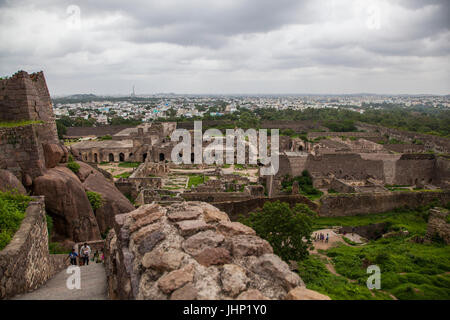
x,y
229,46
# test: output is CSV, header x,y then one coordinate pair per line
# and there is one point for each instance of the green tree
x,y
287,230
95,199
61,128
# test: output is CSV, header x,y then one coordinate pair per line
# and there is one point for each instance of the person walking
x,y
326,240
73,257
85,251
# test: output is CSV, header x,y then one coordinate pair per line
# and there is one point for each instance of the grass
x,y
317,277
195,180
129,164
350,242
123,175
12,211
409,270
412,220
13,124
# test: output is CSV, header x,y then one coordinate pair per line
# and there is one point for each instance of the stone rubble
x,y
191,250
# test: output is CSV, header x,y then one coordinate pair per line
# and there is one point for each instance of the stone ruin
x,y
438,225
191,251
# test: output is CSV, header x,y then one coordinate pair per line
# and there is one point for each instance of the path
x,y
93,286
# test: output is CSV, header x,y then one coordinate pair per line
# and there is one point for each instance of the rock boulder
x,y
191,250
9,181
53,154
66,202
114,202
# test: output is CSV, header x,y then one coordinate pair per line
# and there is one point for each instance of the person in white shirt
x,y
85,251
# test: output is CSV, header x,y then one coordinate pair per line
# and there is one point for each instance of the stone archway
x,y
162,157
144,157
121,157
111,157
95,157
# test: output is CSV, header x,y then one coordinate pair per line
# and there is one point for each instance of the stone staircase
x,y
93,286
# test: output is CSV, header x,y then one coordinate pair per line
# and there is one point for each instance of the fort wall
x,y
436,143
25,263
244,207
25,97
337,205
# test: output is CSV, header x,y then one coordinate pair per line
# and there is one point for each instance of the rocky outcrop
x,y
53,154
9,181
438,225
192,250
114,202
67,204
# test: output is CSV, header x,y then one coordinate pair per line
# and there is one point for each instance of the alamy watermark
x,y
374,281
237,141
74,280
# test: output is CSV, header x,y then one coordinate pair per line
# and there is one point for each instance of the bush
x,y
95,199
56,248
12,211
49,224
284,228
75,167
106,137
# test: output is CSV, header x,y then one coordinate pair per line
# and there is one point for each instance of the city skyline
x,y
234,48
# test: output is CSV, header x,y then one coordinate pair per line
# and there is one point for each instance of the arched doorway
x,y
300,148
144,156
121,157
161,157
111,157
95,158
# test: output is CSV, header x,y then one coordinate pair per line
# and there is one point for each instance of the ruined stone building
x,y
149,141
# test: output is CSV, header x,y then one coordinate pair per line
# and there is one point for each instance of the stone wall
x,y
436,143
339,185
215,196
78,132
443,172
412,169
337,205
313,135
192,251
25,97
343,165
25,263
244,207
438,225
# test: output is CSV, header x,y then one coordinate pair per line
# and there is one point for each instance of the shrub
x,y
284,228
106,137
95,199
49,224
56,248
123,175
12,212
75,167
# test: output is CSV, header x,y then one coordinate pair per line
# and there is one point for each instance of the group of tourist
x,y
84,254
320,237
